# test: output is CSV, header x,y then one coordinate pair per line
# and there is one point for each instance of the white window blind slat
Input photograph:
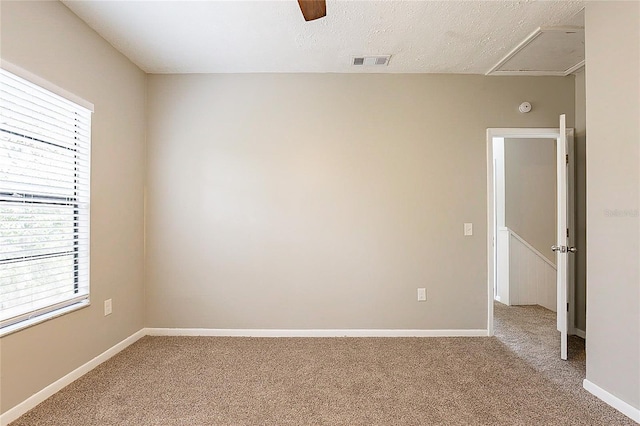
x,y
57,235
29,113
54,280
45,143
51,267
49,151
36,90
21,125
43,231
35,101
51,160
21,175
41,215
38,114
61,280
53,156
58,239
19,193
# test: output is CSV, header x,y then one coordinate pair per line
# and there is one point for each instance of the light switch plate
x,y
468,229
422,294
108,308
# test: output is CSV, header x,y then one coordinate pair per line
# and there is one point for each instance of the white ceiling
x,y
238,36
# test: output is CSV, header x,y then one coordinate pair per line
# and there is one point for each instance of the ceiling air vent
x,y
371,60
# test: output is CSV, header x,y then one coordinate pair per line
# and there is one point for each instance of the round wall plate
x,y
524,107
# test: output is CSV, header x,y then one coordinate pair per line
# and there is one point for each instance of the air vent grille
x,y
377,60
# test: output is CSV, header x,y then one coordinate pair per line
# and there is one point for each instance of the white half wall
x,y
525,276
532,277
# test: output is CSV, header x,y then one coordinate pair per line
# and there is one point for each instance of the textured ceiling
x,y
237,36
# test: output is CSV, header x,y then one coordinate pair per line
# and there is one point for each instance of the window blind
x,y
45,143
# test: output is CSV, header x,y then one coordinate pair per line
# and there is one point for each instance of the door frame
x,y
520,133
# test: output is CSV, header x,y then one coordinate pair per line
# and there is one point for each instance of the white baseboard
x,y
626,409
580,333
26,405
311,333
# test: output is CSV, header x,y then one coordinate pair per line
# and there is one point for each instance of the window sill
x,y
5,331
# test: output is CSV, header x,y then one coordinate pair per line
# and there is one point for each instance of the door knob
x,y
561,249
572,249
555,248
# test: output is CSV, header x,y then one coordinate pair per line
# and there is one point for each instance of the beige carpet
x,y
514,378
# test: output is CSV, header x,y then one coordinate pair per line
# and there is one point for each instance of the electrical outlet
x,y
422,294
108,308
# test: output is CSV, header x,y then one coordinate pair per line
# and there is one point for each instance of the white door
x,y
562,247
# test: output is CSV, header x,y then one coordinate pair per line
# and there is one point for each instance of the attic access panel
x,y
547,51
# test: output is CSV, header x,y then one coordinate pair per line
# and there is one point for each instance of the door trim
x,y
541,133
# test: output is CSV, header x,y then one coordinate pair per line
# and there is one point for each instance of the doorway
x,y
545,292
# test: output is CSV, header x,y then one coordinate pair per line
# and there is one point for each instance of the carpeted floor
x,y
514,378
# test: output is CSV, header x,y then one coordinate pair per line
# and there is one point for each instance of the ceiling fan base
x,y
313,9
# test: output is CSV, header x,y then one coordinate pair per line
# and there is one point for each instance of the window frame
x,y
80,213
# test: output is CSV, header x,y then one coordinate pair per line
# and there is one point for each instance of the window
x,y
44,203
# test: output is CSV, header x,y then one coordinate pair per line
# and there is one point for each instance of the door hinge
x,y
567,232
567,306
567,158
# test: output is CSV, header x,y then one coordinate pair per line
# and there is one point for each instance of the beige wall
x,y
613,197
324,201
530,191
48,40
580,158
